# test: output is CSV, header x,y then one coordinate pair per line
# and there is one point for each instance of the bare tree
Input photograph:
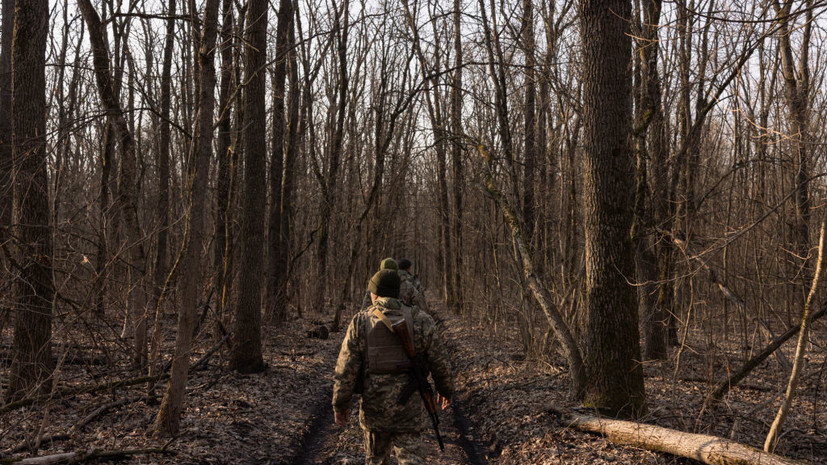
x,y
246,353
32,362
5,119
169,416
614,375
128,185
276,272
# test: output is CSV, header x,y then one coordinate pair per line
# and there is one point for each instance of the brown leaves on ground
x,y
282,416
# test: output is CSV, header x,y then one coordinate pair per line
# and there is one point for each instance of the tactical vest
x,y
384,348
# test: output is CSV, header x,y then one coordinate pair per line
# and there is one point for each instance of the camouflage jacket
x,y
379,409
410,291
366,302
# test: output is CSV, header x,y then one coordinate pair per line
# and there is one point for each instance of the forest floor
x,y
500,416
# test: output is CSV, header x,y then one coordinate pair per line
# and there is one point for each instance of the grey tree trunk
x,y
32,362
168,419
614,377
246,353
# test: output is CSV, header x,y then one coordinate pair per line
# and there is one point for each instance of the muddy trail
x,y
326,444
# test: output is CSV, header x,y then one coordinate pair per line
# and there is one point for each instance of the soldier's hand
x,y
443,402
340,418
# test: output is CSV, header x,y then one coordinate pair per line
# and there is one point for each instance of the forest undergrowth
x,y
282,416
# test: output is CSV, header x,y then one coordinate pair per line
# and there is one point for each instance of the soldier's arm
x,y
348,367
439,361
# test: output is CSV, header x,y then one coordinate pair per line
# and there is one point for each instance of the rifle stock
x,y
420,377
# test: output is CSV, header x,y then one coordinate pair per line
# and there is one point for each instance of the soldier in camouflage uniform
x,y
410,291
368,355
385,264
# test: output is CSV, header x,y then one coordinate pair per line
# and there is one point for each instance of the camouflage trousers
x,y
408,448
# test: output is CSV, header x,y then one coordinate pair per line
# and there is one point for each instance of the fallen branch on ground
x,y
75,457
724,386
711,450
76,390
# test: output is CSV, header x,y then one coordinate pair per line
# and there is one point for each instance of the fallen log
x,y
711,450
76,457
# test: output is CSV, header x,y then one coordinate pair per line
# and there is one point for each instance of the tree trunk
x,y
291,157
614,377
128,185
529,118
246,352
340,35
711,450
161,260
801,347
169,416
225,151
32,362
5,118
455,301
276,300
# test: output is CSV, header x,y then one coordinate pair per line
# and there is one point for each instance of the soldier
x,y
385,264
410,291
373,356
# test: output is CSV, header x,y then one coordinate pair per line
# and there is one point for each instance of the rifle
x,y
420,379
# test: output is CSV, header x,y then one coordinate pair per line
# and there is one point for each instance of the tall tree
x,y
161,248
32,363
341,27
796,94
201,153
128,179
246,353
455,300
226,153
614,375
276,274
5,117
651,200
529,118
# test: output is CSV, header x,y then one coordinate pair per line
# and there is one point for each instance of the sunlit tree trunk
x,y
614,376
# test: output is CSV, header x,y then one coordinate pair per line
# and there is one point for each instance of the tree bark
x,y
246,352
5,119
168,419
32,364
614,377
